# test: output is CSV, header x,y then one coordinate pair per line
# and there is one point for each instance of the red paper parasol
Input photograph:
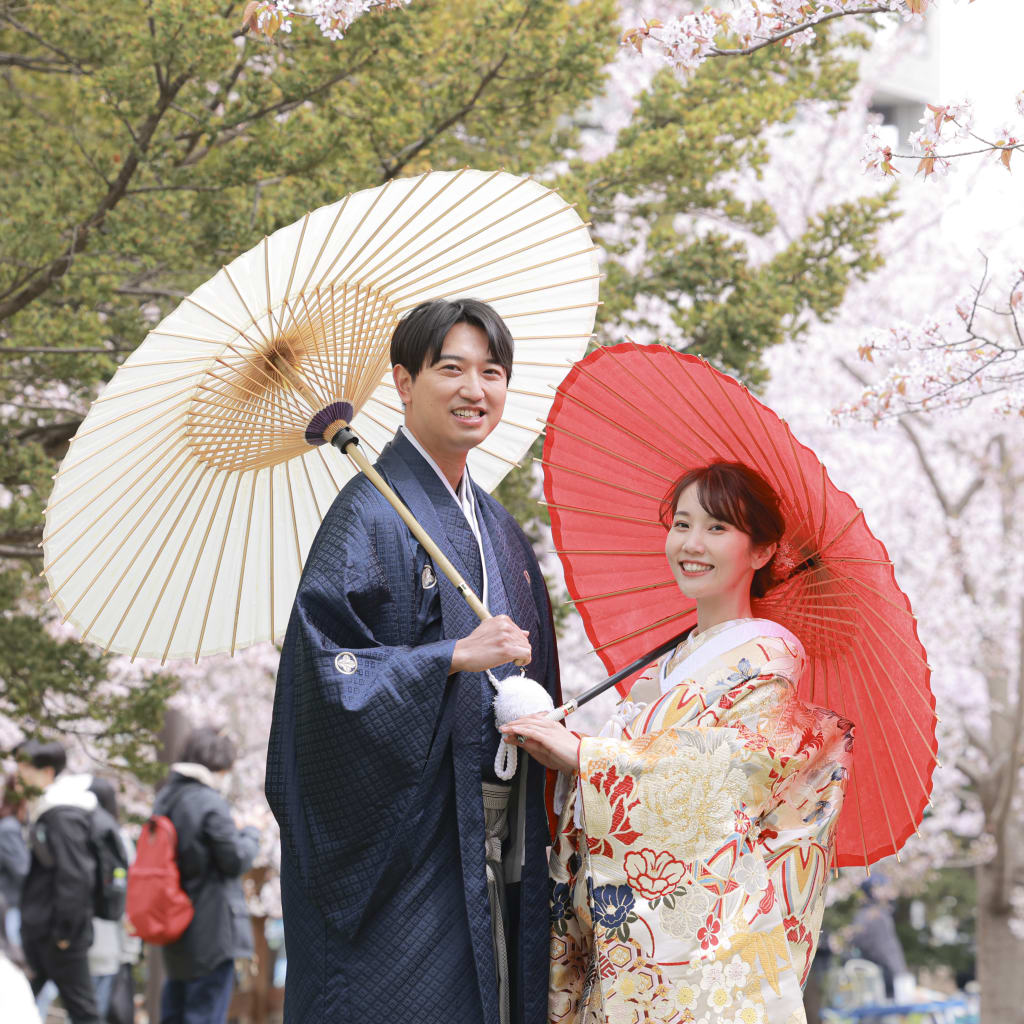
x,y
626,422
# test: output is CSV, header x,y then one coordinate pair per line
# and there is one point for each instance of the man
x,y
57,900
380,769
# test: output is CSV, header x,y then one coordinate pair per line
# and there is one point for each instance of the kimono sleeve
x,y
797,832
674,795
357,710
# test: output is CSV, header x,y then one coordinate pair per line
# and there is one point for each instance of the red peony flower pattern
x,y
618,789
654,874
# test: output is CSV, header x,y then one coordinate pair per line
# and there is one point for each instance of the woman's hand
x,y
549,742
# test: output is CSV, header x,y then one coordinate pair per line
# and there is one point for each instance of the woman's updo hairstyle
x,y
736,494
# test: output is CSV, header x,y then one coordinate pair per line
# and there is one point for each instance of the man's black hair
x,y
210,748
42,755
419,337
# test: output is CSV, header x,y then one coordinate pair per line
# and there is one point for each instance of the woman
x,y
212,856
14,856
688,872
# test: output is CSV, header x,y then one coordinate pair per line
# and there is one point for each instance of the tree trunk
x,y
1000,952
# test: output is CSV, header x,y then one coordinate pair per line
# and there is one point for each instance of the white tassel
x,y
515,697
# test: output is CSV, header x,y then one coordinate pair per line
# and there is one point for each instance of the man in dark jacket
x,y
212,856
57,900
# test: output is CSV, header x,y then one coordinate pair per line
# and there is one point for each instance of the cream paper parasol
x,y
182,514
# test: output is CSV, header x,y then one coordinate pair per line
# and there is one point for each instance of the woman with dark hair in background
x,y
14,855
688,872
212,856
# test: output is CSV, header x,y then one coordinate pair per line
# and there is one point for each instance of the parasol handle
x,y
597,689
345,440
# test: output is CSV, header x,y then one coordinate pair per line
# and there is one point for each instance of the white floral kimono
x,y
688,879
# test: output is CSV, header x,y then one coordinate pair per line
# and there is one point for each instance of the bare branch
x,y
413,149
63,54
802,27
16,551
40,64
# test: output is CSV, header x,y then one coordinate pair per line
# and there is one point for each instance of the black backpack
x,y
110,889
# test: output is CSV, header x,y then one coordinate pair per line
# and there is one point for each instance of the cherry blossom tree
x,y
943,488
970,350
689,38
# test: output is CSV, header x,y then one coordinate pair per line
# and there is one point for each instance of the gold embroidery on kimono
x,y
688,875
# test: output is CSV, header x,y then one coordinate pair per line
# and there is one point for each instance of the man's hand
x,y
549,742
494,642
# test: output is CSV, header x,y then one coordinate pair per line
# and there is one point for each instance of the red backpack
x,y
158,908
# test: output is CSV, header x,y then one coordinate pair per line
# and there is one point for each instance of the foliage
x,y
150,145
59,685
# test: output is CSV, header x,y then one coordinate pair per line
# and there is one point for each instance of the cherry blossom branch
x,y
973,352
685,42
333,17
793,30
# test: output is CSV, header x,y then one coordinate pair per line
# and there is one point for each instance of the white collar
x,y
464,498
67,790
702,649
464,492
199,772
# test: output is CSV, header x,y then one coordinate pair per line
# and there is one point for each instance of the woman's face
x,y
710,558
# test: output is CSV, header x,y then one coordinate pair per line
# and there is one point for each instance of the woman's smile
x,y
696,568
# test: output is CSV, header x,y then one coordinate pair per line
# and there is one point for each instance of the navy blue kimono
x,y
376,760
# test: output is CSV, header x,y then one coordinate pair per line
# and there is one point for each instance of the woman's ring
x,y
521,740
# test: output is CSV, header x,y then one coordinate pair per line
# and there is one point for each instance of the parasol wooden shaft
x,y
560,713
347,441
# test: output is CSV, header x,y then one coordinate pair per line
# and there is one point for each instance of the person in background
x,y
15,991
212,856
57,899
873,932
14,856
109,937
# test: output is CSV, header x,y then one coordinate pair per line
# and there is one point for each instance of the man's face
x,y
34,780
453,405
